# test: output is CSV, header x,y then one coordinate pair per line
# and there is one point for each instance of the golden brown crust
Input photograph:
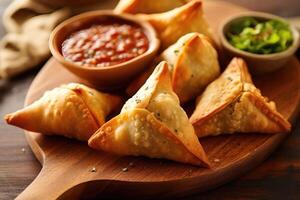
x,y
60,112
152,118
233,104
159,78
103,139
171,25
147,6
71,110
182,73
220,93
100,104
126,6
195,67
193,63
260,102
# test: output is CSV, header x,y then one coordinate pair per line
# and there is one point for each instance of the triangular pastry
x,y
233,104
147,6
152,124
193,64
72,110
173,24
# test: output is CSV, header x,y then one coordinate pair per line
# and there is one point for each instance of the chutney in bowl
x,y
104,48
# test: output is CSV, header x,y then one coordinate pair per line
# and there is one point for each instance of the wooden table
x,y
277,178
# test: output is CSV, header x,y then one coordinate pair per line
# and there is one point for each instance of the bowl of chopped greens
x,y
265,41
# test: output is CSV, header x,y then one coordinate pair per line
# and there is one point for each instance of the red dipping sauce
x,y
105,44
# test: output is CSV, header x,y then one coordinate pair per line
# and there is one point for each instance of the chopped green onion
x,y
260,37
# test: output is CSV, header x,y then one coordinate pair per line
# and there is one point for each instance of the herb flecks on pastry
x,y
152,124
233,104
193,64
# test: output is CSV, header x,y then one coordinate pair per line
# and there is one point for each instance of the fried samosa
x,y
152,124
147,6
173,24
193,63
72,110
233,104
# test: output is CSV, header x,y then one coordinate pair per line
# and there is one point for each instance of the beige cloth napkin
x,y
28,24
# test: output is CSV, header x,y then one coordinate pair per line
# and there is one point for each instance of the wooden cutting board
x,y
71,170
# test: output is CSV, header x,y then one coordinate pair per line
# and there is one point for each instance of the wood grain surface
x,y
67,165
277,178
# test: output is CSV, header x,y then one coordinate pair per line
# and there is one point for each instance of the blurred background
x,y
18,167
285,8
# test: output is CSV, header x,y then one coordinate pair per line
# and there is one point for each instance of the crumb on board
x,y
189,172
23,150
93,169
125,169
216,160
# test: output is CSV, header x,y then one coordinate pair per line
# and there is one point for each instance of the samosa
x,y
73,110
173,24
152,124
233,104
193,64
